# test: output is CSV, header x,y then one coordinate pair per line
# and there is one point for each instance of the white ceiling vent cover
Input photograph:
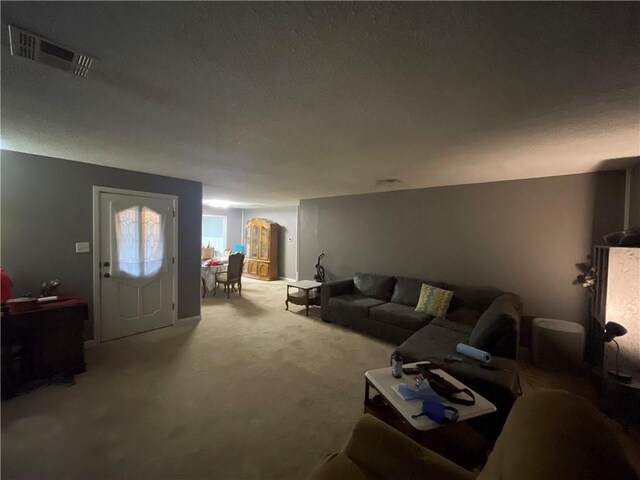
x,y
34,47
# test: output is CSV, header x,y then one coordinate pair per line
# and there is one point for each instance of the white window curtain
x,y
138,248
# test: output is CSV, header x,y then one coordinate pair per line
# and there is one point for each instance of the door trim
x,y
97,311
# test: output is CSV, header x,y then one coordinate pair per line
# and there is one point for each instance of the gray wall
x,y
523,236
634,197
287,218
47,206
234,222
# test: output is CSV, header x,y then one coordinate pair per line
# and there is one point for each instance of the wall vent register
x,y
34,47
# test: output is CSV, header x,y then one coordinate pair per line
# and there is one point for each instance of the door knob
x,y
106,264
107,275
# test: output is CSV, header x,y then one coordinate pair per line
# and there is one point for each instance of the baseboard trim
x,y
287,279
195,319
94,342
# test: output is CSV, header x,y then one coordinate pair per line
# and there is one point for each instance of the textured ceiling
x,y
273,102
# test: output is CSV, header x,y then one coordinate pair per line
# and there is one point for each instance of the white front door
x,y
137,269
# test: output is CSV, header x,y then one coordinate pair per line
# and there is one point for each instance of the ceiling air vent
x,y
387,181
34,47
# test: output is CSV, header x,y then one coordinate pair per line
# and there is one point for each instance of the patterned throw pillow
x,y
433,301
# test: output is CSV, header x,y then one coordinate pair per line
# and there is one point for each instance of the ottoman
x,y
557,344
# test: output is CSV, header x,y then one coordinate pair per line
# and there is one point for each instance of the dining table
x,y
208,275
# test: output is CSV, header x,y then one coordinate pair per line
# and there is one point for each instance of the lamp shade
x,y
613,330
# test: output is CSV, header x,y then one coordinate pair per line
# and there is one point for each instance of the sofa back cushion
x,y
475,298
374,286
407,290
499,321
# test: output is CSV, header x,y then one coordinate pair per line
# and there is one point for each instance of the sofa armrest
x,y
378,448
333,289
498,328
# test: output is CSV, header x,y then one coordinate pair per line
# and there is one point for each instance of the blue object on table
x,y
432,405
421,392
238,248
436,411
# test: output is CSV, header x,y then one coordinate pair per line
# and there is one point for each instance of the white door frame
x,y
97,312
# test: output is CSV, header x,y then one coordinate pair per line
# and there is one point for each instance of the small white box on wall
x,y
83,247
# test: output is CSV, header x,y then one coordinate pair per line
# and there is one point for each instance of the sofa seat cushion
x,y
399,315
451,325
374,286
464,316
431,341
354,304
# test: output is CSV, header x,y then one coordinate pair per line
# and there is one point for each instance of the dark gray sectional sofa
x,y
384,307
486,318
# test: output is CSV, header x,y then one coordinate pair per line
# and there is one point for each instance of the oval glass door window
x,y
139,242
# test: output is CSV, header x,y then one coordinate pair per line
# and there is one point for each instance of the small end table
x,y
616,398
308,293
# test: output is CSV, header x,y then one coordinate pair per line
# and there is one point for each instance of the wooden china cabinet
x,y
261,249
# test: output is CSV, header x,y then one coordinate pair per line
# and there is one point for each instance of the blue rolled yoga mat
x,y
474,353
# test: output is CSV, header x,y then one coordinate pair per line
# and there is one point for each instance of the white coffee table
x,y
382,380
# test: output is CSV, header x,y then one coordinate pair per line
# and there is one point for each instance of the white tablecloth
x,y
208,274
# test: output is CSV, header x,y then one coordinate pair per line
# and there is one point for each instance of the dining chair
x,y
233,275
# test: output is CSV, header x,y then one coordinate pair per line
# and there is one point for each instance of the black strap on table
x,y
446,389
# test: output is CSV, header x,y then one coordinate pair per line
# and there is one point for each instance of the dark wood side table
x,y
50,337
307,293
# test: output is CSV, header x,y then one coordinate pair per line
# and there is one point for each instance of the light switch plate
x,y
82,247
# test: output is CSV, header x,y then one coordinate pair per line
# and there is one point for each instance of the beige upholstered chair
x,y
550,434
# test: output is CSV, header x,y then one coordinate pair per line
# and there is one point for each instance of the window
x,y
139,241
214,232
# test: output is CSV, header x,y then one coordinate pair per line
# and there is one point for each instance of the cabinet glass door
x,y
254,241
264,243
247,240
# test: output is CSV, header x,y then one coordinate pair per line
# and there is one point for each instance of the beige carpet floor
x,y
249,392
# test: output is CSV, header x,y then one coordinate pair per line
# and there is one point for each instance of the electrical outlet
x,y
82,247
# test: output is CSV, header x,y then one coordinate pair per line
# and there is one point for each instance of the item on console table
x,y
5,286
50,288
474,353
52,298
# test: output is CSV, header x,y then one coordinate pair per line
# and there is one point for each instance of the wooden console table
x,y
49,339
308,293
